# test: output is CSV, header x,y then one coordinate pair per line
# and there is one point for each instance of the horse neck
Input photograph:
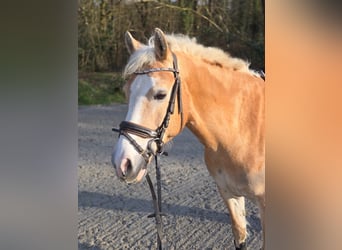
x,y
222,104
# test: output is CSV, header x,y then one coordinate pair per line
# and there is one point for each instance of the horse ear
x,y
131,44
160,44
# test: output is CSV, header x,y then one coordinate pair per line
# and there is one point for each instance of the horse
x,y
174,82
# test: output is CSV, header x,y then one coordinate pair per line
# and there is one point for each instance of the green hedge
x,y
100,88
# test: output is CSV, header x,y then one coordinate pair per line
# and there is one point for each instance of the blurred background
x,y
236,26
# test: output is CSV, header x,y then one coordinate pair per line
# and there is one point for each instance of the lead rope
x,y
156,200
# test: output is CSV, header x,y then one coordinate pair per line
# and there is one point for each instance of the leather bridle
x,y
156,136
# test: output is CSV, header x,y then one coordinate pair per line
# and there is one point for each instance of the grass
x,y
100,88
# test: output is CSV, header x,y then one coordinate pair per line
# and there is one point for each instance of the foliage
x,y
99,88
236,26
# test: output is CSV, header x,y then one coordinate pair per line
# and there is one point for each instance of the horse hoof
x,y
242,246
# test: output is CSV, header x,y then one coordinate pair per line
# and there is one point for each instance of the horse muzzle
x,y
127,173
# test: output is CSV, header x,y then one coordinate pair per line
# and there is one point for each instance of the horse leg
x,y
236,208
235,204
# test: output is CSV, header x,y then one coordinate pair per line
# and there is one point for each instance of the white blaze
x,y
139,88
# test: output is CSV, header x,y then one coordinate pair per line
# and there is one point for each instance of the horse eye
x,y
159,96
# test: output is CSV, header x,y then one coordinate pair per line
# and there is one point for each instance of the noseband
x,y
156,136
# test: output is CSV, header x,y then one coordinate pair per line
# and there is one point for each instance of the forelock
x,y
139,59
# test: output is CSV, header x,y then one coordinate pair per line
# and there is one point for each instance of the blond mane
x,y
187,45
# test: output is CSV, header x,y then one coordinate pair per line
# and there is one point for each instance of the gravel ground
x,y
113,215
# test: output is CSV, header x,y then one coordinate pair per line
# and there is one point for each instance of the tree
x,y
236,26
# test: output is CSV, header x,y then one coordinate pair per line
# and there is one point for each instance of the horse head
x,y
152,88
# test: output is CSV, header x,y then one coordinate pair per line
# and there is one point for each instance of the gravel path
x,y
113,215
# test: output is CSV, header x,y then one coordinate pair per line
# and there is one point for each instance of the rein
x,y
156,136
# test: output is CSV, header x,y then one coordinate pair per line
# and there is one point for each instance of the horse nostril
x,y
126,167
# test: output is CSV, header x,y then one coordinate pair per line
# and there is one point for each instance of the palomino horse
x,y
218,98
